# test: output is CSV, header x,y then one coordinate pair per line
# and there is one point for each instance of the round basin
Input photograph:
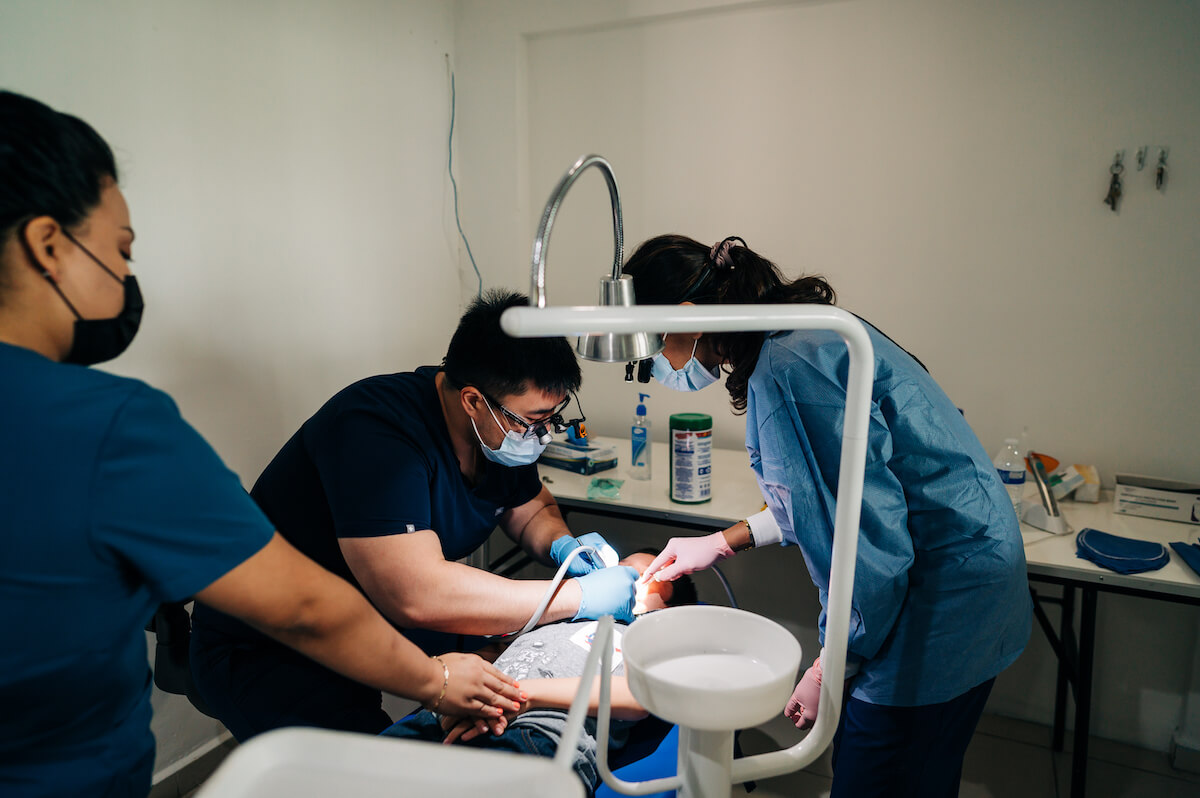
x,y
710,668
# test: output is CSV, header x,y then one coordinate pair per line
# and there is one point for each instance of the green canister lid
x,y
691,421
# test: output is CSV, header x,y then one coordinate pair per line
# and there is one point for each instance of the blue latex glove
x,y
609,591
583,564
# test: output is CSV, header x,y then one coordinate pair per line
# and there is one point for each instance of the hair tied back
x,y
719,254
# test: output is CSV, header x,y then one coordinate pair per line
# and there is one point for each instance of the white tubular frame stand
x,y
532,322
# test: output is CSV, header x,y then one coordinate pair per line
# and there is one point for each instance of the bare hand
x,y
465,729
477,689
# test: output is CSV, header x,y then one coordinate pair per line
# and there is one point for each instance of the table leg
x,y
1083,692
1062,683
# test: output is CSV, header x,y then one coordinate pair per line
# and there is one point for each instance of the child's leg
x,y
539,733
421,726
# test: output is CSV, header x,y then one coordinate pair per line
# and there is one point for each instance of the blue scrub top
x,y
110,504
377,460
941,598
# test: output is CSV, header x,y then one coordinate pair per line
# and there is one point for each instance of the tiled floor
x,y
1006,758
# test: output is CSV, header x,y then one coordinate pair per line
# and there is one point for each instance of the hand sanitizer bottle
x,y
639,439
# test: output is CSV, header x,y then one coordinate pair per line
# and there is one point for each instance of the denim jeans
x,y
535,732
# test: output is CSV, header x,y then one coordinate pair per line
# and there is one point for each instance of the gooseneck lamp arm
x,y
537,291
616,290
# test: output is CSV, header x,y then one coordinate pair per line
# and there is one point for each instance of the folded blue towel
x,y
1123,555
1190,552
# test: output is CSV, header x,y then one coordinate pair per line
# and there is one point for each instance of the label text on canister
x,y
691,465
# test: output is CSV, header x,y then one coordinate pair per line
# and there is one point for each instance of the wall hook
x,y
1114,186
1141,157
1160,172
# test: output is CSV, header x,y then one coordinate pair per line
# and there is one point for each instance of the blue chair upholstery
x,y
660,763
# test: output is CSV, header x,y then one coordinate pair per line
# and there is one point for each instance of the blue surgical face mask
x,y
692,377
515,449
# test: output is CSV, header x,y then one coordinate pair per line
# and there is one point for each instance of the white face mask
x,y
692,377
515,449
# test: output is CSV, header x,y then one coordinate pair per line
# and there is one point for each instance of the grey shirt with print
x,y
548,652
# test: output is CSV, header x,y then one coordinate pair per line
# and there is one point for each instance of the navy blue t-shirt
x,y
377,460
110,504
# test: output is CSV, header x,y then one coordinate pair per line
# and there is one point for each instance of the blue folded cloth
x,y
1190,552
1123,555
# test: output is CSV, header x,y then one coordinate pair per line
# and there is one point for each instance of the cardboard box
x,y
1153,497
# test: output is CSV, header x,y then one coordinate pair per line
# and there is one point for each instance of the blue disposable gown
x,y
941,600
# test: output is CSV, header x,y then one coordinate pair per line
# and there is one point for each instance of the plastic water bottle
x,y
1011,467
639,440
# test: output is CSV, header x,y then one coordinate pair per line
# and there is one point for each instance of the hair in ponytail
x,y
670,269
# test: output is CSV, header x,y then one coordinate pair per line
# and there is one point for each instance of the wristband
x,y
445,682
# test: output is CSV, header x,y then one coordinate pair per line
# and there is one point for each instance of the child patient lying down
x,y
548,661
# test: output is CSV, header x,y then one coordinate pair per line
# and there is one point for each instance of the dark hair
x,y
670,269
51,164
482,355
683,590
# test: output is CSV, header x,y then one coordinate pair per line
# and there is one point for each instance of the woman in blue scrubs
x,y
110,504
941,602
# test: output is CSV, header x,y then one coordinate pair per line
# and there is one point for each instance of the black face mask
x,y
98,340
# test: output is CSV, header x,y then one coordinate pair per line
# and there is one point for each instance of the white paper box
x,y
1157,498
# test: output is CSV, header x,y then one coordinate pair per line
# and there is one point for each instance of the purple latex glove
x,y
687,555
802,706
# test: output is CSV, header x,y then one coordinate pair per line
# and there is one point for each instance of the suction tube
x,y
554,583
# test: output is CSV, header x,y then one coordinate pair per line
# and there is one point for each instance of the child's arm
x,y
558,694
549,694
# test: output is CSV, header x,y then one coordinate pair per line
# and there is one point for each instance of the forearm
x,y
545,528
535,525
289,597
452,597
345,633
759,529
559,693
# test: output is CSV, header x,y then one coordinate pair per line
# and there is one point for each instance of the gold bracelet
x,y
445,683
749,545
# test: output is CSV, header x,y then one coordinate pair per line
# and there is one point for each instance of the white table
x,y
1051,560
735,492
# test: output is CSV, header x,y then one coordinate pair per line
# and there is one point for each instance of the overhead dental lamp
x,y
615,291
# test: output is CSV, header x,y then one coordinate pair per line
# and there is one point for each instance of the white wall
x,y
285,167
943,164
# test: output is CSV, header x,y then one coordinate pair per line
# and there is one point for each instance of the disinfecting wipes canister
x,y
691,457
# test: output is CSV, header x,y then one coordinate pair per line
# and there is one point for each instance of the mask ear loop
x,y
45,273
492,413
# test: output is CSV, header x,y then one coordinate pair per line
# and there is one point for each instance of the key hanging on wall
x,y
1114,185
1160,172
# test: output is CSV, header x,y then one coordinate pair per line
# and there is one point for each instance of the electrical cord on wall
x,y
450,171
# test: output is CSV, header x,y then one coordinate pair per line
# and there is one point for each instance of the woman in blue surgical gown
x,y
941,603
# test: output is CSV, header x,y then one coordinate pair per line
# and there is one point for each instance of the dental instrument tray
x,y
580,458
